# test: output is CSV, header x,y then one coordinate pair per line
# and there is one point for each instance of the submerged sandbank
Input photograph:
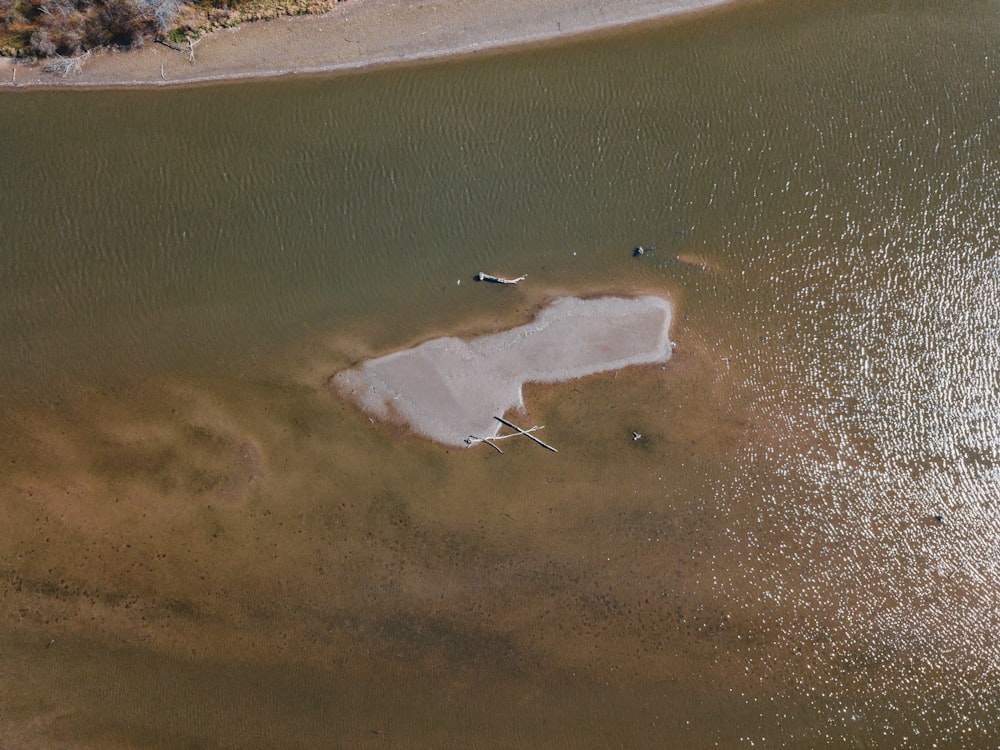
x,y
448,389
355,34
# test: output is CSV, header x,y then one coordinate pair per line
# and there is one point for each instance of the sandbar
x,y
449,389
354,34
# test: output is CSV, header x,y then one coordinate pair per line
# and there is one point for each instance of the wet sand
x,y
251,563
450,390
355,34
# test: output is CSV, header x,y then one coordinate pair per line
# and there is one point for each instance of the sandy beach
x,y
356,34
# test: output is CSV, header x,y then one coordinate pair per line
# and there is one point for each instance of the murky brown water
x,y
202,547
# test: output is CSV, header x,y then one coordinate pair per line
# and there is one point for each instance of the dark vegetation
x,y
66,28
44,28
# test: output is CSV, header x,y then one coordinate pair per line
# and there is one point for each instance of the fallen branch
x,y
526,433
192,43
63,66
168,45
474,439
498,279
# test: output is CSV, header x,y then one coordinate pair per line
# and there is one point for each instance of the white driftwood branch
x,y
498,279
63,66
473,439
490,441
192,43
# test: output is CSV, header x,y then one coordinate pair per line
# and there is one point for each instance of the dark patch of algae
x,y
252,563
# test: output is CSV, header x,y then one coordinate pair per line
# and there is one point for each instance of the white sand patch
x,y
448,389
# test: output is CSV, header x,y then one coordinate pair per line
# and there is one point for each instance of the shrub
x,y
41,43
60,29
117,23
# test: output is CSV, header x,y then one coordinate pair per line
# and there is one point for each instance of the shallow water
x,y
203,546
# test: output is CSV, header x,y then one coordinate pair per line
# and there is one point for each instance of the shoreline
x,y
355,35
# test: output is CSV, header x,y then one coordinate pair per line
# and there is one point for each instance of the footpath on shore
x,y
356,34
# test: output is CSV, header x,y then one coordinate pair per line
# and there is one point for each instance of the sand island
x,y
449,389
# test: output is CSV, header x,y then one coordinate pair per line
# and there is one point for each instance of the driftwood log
x,y
473,439
498,279
526,433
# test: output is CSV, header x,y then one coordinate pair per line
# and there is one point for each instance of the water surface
x,y
203,546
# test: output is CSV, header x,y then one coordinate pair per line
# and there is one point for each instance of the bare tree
x,y
164,12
